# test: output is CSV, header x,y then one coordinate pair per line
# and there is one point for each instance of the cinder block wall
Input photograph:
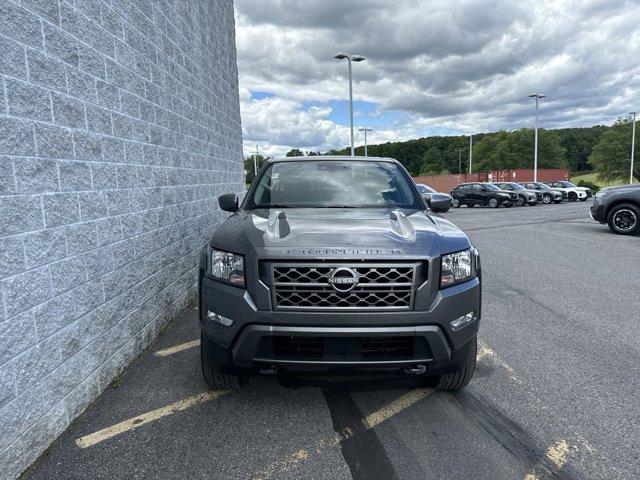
x,y
119,126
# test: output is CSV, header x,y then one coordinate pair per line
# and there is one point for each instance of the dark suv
x,y
525,197
481,193
619,207
332,264
547,193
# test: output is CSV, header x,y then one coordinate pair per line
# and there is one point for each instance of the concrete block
x,y
61,209
44,247
68,111
81,237
60,44
103,176
23,291
11,257
7,179
16,137
18,23
53,141
93,205
20,214
67,274
12,60
36,175
46,71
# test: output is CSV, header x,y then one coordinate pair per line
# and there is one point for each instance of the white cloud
x,y
465,65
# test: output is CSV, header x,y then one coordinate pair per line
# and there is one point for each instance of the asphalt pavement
x,y
555,393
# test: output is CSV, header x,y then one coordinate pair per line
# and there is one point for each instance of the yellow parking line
x,y
177,348
556,456
135,422
484,351
370,421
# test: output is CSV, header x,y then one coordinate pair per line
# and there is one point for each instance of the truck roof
x,y
333,157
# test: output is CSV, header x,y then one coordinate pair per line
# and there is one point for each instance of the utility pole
x,y
537,96
470,151
633,144
255,163
365,130
350,57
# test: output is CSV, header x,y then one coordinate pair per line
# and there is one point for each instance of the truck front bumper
x,y
329,341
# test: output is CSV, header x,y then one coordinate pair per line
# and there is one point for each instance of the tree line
x,y
602,149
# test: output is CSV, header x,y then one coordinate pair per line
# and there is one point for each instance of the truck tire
x,y
459,379
214,375
624,219
493,202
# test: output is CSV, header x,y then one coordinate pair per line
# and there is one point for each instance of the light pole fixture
x,y
350,58
537,96
633,144
365,130
470,151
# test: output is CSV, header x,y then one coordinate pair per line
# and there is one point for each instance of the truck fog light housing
x,y
462,322
224,321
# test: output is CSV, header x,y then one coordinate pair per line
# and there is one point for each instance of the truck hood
x,y
337,232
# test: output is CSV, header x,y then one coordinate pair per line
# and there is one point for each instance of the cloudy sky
x,y
434,67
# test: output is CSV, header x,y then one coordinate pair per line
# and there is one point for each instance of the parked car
x,y
567,184
331,264
548,194
525,197
573,193
482,193
430,194
619,207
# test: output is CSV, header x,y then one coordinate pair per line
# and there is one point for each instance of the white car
x,y
570,191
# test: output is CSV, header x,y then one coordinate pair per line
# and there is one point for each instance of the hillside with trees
x,y
600,149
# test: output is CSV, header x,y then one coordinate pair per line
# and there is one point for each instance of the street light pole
x,y
470,152
537,96
365,130
633,144
255,163
350,58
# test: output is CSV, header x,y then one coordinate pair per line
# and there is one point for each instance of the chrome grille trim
x,y
381,286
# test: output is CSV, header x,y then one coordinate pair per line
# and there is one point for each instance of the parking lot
x,y
554,395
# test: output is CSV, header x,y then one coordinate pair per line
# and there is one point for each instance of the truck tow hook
x,y
270,370
416,369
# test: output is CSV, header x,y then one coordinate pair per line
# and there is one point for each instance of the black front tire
x,y
459,379
493,202
624,219
573,196
214,375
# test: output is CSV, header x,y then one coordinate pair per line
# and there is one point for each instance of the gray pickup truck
x,y
332,264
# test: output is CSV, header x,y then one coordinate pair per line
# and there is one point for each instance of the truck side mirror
x,y
439,205
228,202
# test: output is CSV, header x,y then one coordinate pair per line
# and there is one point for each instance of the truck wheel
x,y
573,196
624,219
546,199
521,201
455,203
214,376
493,202
459,379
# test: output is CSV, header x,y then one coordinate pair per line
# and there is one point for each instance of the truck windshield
x,y
334,184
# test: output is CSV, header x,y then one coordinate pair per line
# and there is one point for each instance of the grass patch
x,y
593,178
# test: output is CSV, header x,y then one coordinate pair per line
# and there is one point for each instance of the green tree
x,y
432,162
510,150
294,152
611,156
248,166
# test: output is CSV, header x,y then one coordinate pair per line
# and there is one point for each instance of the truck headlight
x,y
456,268
228,267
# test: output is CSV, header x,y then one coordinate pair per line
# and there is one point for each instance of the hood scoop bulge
x,y
401,225
277,225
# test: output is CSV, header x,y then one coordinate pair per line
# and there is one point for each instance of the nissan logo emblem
x,y
343,279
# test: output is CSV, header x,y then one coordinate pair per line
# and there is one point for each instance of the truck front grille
x,y
344,286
